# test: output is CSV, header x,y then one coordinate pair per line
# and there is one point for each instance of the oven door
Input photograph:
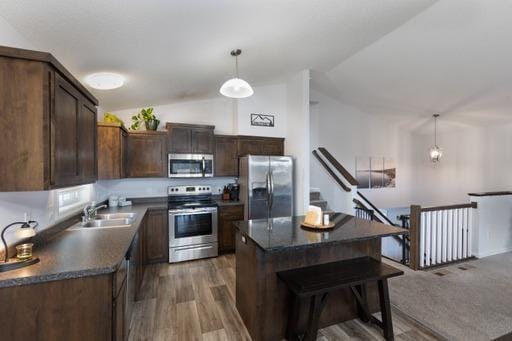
x,y
192,226
190,165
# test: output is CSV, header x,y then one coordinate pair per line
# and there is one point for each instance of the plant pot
x,y
152,125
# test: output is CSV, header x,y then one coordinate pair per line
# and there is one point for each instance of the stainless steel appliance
x,y
266,186
190,165
192,223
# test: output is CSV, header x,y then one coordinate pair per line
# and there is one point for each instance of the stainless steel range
x,y
192,223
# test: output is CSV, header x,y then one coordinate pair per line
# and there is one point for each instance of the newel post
x,y
414,235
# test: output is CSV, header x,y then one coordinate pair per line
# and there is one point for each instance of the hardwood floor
x,y
196,301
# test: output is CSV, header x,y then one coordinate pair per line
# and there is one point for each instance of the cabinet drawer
x,y
232,212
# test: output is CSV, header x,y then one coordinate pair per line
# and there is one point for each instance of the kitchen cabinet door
x,y
156,237
111,151
87,142
180,140
65,127
119,320
257,145
226,156
202,141
146,154
227,231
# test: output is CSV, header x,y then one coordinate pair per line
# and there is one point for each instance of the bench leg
x,y
385,309
360,293
293,318
315,310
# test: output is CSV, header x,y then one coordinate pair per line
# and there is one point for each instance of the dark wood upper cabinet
x,y
146,154
48,120
112,143
190,138
226,155
258,145
156,236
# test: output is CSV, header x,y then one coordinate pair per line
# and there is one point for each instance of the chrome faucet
x,y
90,210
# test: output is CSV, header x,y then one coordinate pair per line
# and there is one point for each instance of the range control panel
x,y
189,190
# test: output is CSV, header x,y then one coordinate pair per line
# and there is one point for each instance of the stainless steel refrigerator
x,y
266,186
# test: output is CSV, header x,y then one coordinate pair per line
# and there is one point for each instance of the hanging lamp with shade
x,y
236,87
435,152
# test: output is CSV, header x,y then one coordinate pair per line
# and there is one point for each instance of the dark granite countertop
x,y
287,232
81,252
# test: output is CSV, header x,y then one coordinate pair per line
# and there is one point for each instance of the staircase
x,y
316,199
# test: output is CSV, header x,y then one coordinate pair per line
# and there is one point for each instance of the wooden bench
x,y
316,282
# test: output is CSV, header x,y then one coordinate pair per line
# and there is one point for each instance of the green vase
x,y
152,124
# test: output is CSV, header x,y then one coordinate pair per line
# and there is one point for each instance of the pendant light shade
x,y
236,87
435,152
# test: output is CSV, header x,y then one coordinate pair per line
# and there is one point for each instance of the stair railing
x,y
440,235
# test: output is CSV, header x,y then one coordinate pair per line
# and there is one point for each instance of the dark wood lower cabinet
x,y
156,236
73,309
87,308
227,231
120,320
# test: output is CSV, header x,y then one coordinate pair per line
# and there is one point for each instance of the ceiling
x,y
176,50
454,58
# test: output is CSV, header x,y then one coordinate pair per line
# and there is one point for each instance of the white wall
x,y
269,100
347,132
297,136
10,37
492,225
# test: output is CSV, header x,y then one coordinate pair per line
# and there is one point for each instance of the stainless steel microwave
x,y
190,165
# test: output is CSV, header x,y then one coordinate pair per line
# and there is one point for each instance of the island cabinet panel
x,y
146,154
257,145
112,140
190,138
156,236
48,120
227,231
226,155
263,300
120,321
73,309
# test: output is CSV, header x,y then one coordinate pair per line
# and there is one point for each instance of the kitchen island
x,y
267,246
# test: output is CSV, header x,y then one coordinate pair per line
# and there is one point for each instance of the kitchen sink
x,y
105,223
110,216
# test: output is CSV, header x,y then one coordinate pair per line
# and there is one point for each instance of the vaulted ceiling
x,y
175,49
454,58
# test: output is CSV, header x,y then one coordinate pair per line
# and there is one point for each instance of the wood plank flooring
x,y
196,301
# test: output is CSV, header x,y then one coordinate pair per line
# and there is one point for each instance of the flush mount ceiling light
x,y
236,87
105,80
435,152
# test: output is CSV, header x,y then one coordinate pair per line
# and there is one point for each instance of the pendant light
x,y
435,152
236,87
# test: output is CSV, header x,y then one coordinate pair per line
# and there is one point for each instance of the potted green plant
x,y
148,117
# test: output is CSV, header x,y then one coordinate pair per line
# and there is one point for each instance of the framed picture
x,y
262,120
375,172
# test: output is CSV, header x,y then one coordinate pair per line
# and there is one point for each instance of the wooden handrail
x,y
351,180
385,218
449,207
328,169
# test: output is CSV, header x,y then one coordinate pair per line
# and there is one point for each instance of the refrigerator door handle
x,y
271,189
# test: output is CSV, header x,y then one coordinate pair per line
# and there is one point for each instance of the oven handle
x,y
193,212
193,247
204,167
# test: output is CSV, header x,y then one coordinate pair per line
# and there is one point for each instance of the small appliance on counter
x,y
234,191
115,201
192,223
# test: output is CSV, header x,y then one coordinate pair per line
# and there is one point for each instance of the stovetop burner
x,y
186,197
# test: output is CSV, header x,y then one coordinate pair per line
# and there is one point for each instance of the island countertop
x,y
276,234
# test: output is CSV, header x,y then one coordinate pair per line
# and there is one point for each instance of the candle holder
x,y
25,230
